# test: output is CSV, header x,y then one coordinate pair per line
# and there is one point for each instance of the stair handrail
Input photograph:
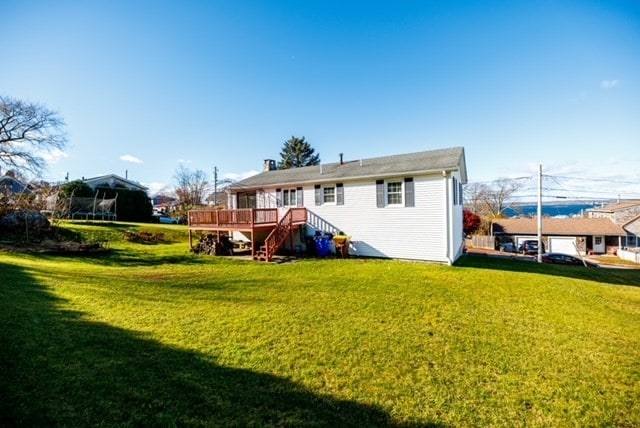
x,y
278,235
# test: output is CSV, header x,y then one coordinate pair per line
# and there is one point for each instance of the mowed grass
x,y
153,335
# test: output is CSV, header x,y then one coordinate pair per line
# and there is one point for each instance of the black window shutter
x,y
299,197
278,197
318,194
339,194
455,191
460,194
380,193
409,198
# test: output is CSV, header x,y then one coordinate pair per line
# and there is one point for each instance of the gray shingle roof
x,y
387,166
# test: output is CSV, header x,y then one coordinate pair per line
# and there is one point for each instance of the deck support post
x,y
253,246
291,234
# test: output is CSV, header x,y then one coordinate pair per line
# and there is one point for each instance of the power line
x,y
501,179
602,180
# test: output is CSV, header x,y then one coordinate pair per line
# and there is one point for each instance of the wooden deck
x,y
243,220
246,220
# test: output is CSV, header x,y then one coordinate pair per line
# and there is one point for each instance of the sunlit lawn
x,y
152,335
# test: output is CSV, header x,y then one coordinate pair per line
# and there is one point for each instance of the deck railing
x,y
247,217
298,215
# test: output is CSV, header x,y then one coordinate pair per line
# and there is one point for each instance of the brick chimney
x,y
269,165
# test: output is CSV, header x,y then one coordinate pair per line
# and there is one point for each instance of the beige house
x,y
563,235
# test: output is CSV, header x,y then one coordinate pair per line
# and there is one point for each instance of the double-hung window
x,y
394,193
289,198
398,192
329,195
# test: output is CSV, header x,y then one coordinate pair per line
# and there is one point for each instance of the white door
x,y
562,245
598,244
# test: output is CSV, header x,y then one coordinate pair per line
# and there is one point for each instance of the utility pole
x,y
215,186
539,213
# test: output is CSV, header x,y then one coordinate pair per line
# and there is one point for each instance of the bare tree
x,y
26,131
474,196
498,196
490,200
191,186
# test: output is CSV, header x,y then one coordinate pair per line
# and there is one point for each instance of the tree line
x,y
28,130
192,186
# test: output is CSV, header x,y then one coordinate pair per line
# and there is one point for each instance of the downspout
x,y
447,213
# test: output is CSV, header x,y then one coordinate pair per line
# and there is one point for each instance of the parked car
x,y
566,259
161,217
530,247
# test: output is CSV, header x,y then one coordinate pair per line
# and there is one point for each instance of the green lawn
x,y
152,335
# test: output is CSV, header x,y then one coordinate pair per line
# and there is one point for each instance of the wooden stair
x,y
276,238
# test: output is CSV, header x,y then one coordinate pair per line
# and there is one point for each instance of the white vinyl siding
x,y
456,235
418,233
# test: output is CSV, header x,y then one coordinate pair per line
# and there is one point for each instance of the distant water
x,y
568,210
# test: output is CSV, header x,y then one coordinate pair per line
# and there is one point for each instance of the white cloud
x,y
54,155
129,158
609,84
155,187
236,176
184,161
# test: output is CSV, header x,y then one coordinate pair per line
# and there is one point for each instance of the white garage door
x,y
562,245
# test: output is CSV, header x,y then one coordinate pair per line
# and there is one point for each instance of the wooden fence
x,y
483,241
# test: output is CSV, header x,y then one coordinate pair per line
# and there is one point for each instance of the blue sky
x,y
146,86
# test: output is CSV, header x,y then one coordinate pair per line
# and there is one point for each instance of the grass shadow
x,y
57,369
630,277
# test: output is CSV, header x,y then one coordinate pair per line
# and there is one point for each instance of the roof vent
x,y
341,161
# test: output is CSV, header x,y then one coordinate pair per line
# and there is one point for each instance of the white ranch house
x,y
406,206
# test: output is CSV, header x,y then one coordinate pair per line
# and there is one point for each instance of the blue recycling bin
x,y
322,246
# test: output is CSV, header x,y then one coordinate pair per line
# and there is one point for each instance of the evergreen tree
x,y
296,152
78,189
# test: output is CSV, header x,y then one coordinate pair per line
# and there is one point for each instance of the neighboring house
x,y
216,199
563,235
12,186
405,206
632,227
625,214
98,206
163,201
113,180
